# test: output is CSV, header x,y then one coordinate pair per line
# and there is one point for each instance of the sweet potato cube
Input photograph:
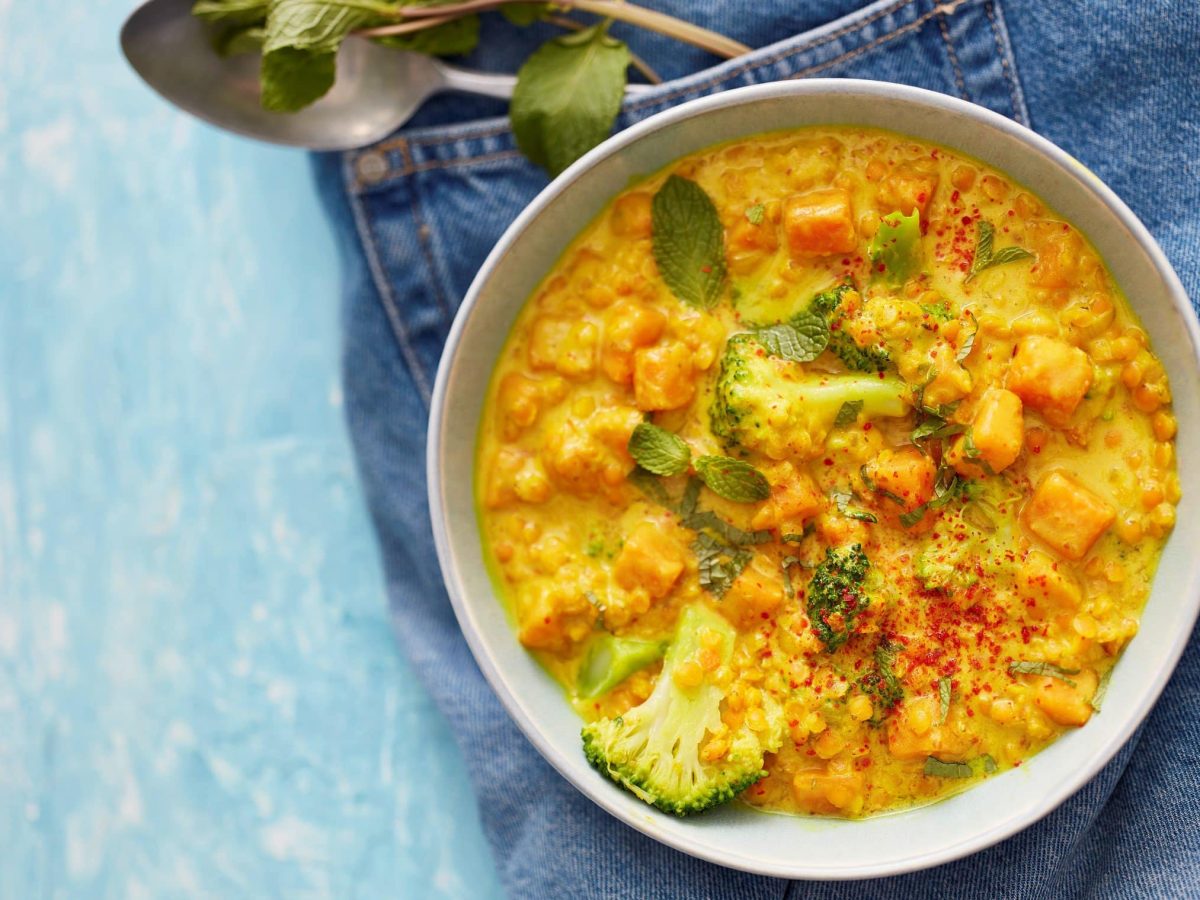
x,y
755,593
1066,515
794,498
629,325
1049,375
906,189
1046,587
819,222
997,433
1064,703
908,474
662,376
1059,251
651,559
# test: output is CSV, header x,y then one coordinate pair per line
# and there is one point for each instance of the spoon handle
x,y
490,85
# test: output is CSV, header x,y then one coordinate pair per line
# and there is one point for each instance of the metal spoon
x,y
377,89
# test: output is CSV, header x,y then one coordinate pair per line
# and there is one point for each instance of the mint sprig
x,y
567,96
689,242
800,340
986,258
658,450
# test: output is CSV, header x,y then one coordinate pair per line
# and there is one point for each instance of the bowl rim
x,y
436,443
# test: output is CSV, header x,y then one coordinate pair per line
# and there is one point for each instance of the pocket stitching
x,y
959,79
1020,113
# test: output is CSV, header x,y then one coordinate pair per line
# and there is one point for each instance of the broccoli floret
x,y
611,659
861,359
779,408
835,595
654,750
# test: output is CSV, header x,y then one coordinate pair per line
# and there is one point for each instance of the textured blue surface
x,y
199,691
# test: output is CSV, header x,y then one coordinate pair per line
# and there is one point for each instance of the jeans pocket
x,y
429,204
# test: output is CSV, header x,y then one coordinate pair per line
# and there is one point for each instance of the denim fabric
x,y
1114,84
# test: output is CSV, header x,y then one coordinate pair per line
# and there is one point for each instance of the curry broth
x,y
999,612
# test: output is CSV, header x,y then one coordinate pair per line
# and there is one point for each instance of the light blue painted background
x,y
199,693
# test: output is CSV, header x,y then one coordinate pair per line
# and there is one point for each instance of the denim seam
x,y
1007,62
914,25
435,274
958,72
383,290
771,60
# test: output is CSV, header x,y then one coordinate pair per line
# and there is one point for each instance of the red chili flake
x,y
707,270
828,461
867,426
966,220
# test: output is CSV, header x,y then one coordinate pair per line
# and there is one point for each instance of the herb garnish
x,y
568,93
658,450
842,500
733,479
969,344
799,340
1037,667
848,413
939,769
755,214
689,242
1101,689
985,258
882,682
944,694
719,565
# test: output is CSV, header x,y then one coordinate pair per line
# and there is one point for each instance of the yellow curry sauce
x,y
1012,507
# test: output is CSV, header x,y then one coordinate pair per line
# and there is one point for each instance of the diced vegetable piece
x,y
794,499
554,617
1066,515
630,326
755,593
819,222
906,473
914,731
996,437
1058,250
1046,587
1067,703
1049,375
662,376
906,189
611,659
651,559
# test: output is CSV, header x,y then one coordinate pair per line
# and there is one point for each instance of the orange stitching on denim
x,y
958,74
714,80
465,136
423,231
1005,67
914,25
466,161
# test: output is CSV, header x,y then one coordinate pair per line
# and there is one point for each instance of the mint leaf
x,y
649,484
938,769
848,413
689,242
568,95
1101,690
718,566
1037,667
969,344
301,44
657,450
231,12
755,214
895,250
240,39
292,79
454,38
733,479
523,14
984,256
944,693
796,342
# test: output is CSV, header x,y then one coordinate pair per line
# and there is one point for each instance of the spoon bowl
x,y
377,89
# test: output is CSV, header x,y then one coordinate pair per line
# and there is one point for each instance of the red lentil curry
x,y
828,469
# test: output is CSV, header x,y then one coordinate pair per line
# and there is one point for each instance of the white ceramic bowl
x,y
738,836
